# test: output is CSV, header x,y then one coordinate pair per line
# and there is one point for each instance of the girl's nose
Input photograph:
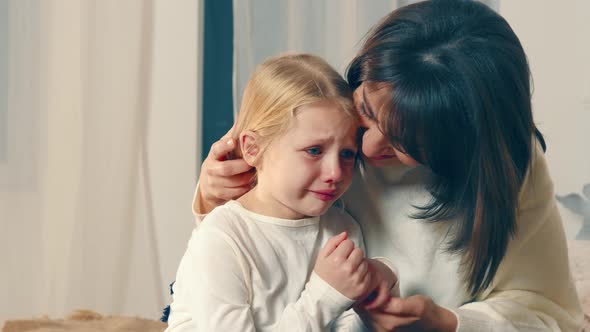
x,y
333,170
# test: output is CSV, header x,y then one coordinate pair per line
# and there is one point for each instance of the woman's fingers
x,y
222,148
409,306
230,174
232,193
389,322
382,296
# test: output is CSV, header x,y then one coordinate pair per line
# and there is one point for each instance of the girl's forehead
x,y
321,121
322,109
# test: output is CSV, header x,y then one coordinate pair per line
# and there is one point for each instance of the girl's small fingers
x,y
356,258
332,244
343,250
362,269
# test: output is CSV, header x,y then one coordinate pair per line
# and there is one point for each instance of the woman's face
x,y
370,101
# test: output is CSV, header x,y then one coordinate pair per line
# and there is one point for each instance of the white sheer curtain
x,y
332,29
329,28
555,36
98,152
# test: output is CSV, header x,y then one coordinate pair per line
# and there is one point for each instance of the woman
x,y
455,192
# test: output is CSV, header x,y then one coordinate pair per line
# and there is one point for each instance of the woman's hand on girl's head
x,y
414,313
222,178
342,265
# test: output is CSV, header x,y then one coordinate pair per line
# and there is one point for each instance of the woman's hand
x,y
414,313
222,178
343,266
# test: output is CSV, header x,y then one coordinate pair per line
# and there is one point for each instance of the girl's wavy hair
x,y
282,84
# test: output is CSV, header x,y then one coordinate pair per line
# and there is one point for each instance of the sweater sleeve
x,y
349,321
316,308
533,289
198,210
211,293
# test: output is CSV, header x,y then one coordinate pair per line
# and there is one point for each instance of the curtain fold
x,y
94,210
332,29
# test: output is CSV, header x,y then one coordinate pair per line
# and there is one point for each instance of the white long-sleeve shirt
x,y
532,289
243,271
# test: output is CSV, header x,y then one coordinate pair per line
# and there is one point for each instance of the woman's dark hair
x,y
461,105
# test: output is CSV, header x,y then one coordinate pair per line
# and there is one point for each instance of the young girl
x,y
280,258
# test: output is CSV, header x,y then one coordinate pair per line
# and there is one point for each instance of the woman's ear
x,y
249,147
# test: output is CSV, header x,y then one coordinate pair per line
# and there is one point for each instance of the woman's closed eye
x,y
364,112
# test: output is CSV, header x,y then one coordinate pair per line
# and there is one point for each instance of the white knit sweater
x,y
532,289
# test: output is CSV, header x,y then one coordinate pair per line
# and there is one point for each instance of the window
x,y
3,78
20,56
217,71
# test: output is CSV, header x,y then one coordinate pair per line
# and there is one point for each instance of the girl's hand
x,y
414,313
343,266
222,178
383,280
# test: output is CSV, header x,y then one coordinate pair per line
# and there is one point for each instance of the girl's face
x,y
376,148
311,165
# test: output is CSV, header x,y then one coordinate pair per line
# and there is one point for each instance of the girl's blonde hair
x,y
282,84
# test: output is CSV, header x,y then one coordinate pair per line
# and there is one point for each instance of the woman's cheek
x,y
406,159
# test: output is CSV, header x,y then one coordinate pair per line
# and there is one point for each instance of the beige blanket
x,y
85,321
579,252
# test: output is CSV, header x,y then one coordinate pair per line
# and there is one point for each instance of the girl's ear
x,y
249,147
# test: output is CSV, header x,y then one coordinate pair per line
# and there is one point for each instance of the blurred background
x,y
107,108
